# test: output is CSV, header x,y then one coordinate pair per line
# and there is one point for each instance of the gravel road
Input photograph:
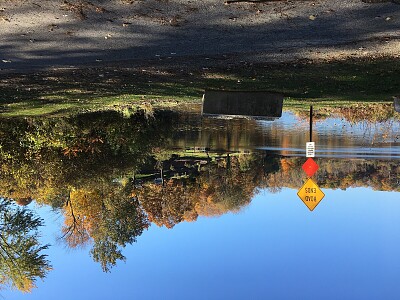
x,y
49,34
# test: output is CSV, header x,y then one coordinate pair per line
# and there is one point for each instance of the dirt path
x,y
54,33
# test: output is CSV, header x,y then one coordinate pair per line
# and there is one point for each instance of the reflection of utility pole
x,y
228,146
396,103
310,146
229,131
311,122
160,165
263,163
134,177
228,168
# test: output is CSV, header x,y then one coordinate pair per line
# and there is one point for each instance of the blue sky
x,y
347,248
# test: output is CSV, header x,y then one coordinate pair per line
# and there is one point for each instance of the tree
x,y
21,258
169,204
122,221
106,215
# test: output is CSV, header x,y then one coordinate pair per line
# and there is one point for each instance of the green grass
x,y
320,84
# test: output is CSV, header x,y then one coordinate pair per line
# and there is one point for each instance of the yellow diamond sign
x,y
310,194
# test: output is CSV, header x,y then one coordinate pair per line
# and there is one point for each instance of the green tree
x,y
122,221
21,258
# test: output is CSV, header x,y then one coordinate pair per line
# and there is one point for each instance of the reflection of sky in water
x,y
274,249
334,137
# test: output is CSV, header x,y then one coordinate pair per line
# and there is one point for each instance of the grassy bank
x,y
333,83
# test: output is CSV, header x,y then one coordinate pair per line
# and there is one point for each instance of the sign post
x,y
310,193
311,121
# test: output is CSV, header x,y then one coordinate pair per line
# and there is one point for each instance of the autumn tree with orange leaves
x,y
105,215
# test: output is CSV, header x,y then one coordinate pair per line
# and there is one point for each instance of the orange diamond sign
x,y
310,167
310,194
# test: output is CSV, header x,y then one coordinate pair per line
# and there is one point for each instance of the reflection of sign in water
x,y
310,167
310,194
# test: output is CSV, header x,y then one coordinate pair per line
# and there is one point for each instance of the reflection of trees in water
x,y
21,255
88,167
381,175
370,113
223,185
353,128
42,158
72,164
107,215
220,134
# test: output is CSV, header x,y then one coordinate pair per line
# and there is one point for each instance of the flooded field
x,y
173,205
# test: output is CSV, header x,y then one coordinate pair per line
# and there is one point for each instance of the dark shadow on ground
x,y
79,42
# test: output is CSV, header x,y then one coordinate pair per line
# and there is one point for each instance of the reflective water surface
x,y
170,205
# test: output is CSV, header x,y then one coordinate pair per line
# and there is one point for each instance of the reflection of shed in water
x,y
242,103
